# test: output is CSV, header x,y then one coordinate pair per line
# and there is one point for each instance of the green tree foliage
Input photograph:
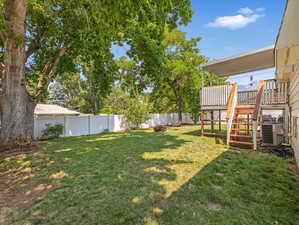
x,y
136,110
131,77
193,103
114,104
84,91
59,35
178,88
182,73
57,95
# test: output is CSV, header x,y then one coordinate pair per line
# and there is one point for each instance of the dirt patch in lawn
x,y
220,174
214,206
20,148
17,189
216,186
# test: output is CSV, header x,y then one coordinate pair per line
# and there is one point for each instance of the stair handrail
x,y
255,116
258,101
231,108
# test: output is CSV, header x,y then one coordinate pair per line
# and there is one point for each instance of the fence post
x,y
89,125
64,126
108,122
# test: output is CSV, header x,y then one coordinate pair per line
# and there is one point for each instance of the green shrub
x,y
136,111
52,131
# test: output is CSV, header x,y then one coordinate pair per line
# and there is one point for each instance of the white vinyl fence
x,y
86,125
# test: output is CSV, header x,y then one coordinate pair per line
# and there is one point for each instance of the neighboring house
x,y
244,110
53,110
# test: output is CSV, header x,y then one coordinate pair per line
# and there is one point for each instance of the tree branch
x,y
35,44
2,35
49,71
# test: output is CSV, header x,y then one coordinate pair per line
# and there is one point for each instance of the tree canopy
x,y
40,39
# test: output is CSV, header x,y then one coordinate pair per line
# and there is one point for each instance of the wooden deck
x,y
243,109
217,97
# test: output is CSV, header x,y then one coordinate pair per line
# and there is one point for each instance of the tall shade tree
x,y
131,78
182,73
41,38
178,88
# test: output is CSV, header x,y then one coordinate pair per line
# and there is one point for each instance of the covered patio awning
x,y
248,62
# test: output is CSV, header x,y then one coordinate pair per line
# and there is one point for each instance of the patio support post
x,y
254,129
202,122
219,120
212,121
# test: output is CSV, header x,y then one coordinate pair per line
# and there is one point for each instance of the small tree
x,y
194,104
136,111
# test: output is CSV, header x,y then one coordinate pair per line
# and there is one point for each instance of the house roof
x,y
248,62
46,109
288,35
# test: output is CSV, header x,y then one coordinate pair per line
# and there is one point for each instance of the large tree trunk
x,y
16,106
180,109
180,113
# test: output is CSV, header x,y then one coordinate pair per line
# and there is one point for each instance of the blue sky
x,y
230,27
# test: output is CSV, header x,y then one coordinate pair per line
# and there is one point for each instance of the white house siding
x,y
287,65
294,106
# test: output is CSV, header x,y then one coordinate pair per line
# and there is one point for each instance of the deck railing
x,y
215,96
247,97
275,92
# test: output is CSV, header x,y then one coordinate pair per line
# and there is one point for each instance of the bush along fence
x,y
95,124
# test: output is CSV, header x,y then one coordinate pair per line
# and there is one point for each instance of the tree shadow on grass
x,y
159,178
217,140
235,188
103,179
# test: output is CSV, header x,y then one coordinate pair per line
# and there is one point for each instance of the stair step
x,y
241,143
241,136
250,124
214,134
236,129
244,113
215,120
242,118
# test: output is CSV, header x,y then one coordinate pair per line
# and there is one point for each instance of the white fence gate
x,y
86,125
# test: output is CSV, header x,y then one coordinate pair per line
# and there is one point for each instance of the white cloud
x,y
260,9
234,22
246,11
245,17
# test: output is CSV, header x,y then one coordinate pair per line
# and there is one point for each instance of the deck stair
x,y
241,132
243,110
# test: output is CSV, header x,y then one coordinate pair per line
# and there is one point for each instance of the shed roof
x,y
243,63
46,109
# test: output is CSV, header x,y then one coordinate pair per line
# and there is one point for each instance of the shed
x,y
53,110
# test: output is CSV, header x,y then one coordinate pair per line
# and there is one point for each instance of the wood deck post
x,y
202,122
219,120
212,121
254,126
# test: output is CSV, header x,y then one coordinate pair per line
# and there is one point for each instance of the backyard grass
x,y
148,178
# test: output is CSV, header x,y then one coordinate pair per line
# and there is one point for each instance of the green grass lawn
x,y
142,177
